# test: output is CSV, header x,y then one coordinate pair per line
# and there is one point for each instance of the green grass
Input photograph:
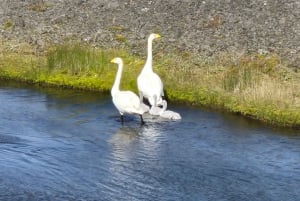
x,y
76,59
257,86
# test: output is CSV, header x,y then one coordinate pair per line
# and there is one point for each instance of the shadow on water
x,y
70,145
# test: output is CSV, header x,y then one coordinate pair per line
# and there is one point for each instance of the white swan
x,y
149,83
126,102
168,114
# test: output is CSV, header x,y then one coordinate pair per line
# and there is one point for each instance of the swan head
x,y
116,60
153,36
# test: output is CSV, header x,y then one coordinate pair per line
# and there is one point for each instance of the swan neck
x,y
164,107
148,64
116,85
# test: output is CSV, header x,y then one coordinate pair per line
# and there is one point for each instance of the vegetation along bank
x,y
234,55
258,86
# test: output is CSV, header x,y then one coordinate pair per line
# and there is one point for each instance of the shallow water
x,y
70,145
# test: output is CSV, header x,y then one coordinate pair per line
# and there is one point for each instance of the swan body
x,y
126,102
149,83
168,114
162,112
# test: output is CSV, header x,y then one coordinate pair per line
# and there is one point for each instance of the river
x,y
58,144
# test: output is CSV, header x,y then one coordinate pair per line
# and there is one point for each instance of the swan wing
x,y
150,84
127,102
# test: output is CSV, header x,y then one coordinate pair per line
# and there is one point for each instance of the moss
x,y
120,38
116,28
7,24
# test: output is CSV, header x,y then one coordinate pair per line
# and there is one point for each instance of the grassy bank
x,y
258,86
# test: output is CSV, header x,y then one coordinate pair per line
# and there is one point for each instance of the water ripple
x,y
69,145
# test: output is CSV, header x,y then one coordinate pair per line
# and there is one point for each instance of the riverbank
x,y
206,27
259,86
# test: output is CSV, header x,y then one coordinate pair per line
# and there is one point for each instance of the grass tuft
x,y
75,59
39,6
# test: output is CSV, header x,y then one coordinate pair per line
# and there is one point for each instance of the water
x,y
70,145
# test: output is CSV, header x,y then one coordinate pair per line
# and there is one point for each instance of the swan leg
x,y
141,97
122,119
142,120
155,100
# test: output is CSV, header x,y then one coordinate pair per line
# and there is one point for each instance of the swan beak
x,y
157,36
112,61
